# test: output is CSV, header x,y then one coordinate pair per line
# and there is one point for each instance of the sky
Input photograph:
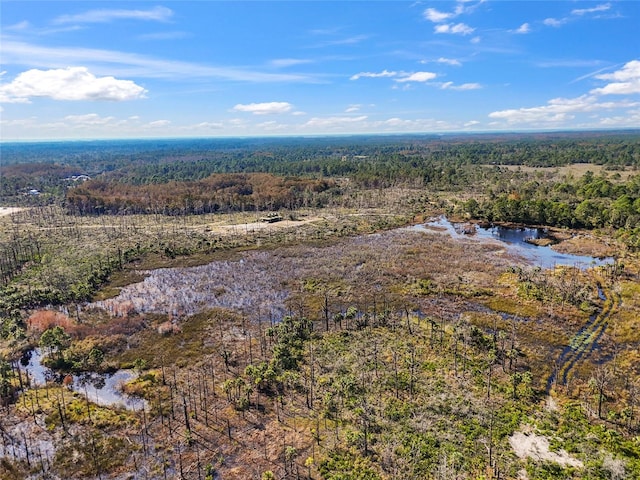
x,y
121,69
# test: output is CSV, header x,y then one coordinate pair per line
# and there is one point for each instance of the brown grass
x,y
575,170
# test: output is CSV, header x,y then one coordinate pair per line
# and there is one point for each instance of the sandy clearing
x,y
266,225
537,447
9,210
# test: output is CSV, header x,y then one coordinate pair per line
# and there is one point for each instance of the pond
x,y
516,243
102,389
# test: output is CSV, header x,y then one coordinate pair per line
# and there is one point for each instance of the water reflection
x,y
515,240
102,389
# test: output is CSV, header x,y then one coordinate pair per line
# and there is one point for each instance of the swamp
x,y
417,311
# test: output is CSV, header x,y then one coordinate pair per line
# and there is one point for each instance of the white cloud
x,y
90,119
464,86
158,124
158,14
626,81
436,16
558,110
272,126
554,22
396,124
267,108
458,28
476,40
524,28
73,83
632,119
384,73
353,108
600,8
462,7
417,77
449,61
207,125
333,122
471,123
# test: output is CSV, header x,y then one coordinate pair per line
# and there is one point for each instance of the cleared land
x,y
577,171
9,210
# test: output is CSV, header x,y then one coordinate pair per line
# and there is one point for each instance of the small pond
x,y
515,240
102,389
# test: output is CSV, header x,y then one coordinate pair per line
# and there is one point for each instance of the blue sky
x,y
116,69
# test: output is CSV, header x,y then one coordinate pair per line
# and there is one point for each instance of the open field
x,y
576,171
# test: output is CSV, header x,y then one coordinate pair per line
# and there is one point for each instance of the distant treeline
x,y
218,192
448,162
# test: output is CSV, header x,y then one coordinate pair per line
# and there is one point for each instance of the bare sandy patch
x,y
536,447
9,210
255,226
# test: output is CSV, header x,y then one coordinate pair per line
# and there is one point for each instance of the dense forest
x,y
226,192
374,161
291,308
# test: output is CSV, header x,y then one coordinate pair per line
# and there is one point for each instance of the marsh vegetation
x,y
336,343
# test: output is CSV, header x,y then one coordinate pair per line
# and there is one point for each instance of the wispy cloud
x,y
157,14
554,22
523,29
75,83
569,63
158,124
89,119
79,126
449,61
289,62
353,40
131,64
600,8
334,121
383,74
207,125
464,86
174,35
576,13
593,74
266,108
18,27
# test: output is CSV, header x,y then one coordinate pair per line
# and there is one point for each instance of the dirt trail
x,y
584,342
